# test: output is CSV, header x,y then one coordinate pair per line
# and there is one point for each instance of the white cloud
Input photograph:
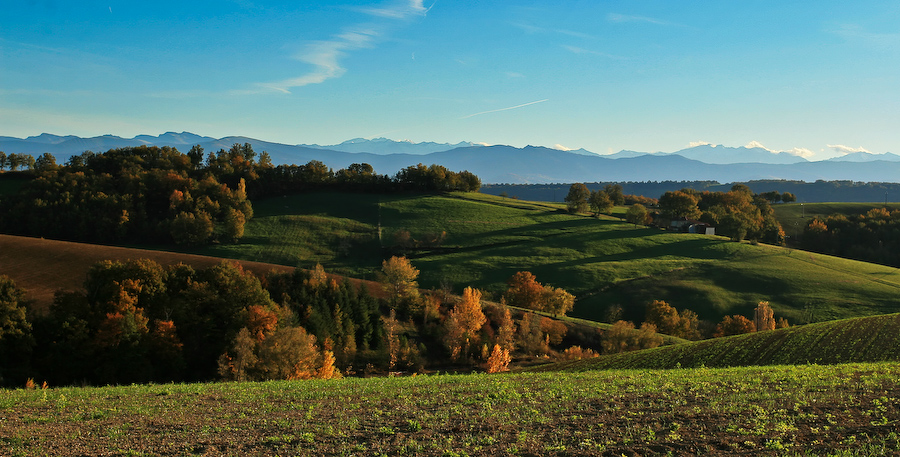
x,y
844,150
799,152
325,55
400,10
694,144
513,74
561,147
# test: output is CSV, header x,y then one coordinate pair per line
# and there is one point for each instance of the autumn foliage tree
x,y
526,292
734,325
623,337
463,323
399,279
670,322
764,317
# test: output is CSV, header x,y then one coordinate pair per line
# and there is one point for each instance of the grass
x,y
866,339
802,410
603,261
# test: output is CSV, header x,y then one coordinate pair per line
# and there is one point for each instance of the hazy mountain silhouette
x,y
507,164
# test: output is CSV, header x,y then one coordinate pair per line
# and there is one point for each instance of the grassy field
x,y
866,339
803,410
603,261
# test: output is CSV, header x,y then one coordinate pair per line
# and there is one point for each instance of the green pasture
x,y
603,261
865,339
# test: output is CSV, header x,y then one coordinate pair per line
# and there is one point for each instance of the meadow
x,y
603,261
842,410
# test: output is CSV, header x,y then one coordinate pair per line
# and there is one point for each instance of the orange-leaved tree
x,y
463,323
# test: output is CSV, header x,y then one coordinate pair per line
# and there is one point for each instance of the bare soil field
x,y
44,266
847,410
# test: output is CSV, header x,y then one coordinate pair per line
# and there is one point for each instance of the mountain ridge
x,y
508,164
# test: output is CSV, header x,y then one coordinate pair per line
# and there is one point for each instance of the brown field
x,y
44,266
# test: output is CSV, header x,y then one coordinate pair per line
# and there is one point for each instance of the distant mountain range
x,y
507,164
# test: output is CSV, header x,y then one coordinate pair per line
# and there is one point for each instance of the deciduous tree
x,y
637,214
399,279
600,202
577,198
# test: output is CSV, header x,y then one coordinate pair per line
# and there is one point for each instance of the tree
x,y
524,291
13,319
399,278
46,162
464,322
196,156
734,325
670,322
2,160
788,197
577,198
623,337
764,317
498,360
16,339
637,214
192,229
615,193
600,202
557,301
677,204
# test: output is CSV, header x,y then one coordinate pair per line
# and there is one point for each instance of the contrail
x,y
505,109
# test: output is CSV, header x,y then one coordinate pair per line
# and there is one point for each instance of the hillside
x,y
604,262
43,266
866,339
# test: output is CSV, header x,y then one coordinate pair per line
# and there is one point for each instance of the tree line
x,y
739,213
137,321
161,195
870,237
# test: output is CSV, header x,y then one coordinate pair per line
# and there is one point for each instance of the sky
x,y
814,78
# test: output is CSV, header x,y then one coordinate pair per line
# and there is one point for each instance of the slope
x,y
604,261
858,340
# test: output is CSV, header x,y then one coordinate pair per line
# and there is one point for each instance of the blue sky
x,y
815,78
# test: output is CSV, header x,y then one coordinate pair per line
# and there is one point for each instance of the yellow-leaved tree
x,y
463,323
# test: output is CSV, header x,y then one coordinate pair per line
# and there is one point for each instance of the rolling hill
x,y
858,340
604,262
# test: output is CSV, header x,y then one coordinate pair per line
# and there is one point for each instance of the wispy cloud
x,y
325,56
844,150
858,33
616,17
506,109
578,50
529,28
799,152
694,144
